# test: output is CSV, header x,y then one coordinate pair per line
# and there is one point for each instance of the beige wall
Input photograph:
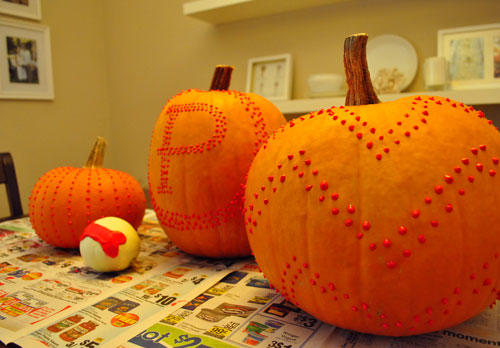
x,y
117,62
42,135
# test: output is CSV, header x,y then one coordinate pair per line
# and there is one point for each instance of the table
x,y
49,297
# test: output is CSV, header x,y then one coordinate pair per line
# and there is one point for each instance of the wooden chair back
x,y
9,178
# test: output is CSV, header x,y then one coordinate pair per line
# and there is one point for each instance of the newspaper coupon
x,y
112,316
40,283
239,311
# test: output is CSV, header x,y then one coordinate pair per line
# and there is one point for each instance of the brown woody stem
x,y
222,78
359,85
97,154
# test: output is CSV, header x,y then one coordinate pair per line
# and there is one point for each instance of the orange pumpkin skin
x,y
202,146
66,199
381,218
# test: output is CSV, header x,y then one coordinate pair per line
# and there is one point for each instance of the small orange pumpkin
x,y
380,218
202,146
66,199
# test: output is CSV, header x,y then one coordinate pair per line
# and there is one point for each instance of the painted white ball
x,y
109,244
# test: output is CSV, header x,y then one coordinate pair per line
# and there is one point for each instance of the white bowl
x,y
321,83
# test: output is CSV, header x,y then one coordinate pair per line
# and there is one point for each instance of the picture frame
x,y
473,55
270,77
22,8
25,61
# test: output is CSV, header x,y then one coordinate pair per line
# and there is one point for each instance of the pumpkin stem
x,y
359,85
222,78
97,154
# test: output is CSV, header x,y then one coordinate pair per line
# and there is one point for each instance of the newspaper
x,y
50,298
481,331
238,311
39,283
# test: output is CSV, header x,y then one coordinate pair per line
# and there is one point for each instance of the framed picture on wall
x,y
22,8
473,55
25,61
270,77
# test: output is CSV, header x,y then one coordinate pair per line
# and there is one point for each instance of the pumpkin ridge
x,y
89,192
123,202
355,204
261,134
216,238
78,173
111,176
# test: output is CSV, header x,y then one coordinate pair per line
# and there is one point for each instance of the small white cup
x,y
436,73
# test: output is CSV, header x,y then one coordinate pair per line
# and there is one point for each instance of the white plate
x,y
392,62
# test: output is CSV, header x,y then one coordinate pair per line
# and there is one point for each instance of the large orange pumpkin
x,y
66,199
380,218
202,146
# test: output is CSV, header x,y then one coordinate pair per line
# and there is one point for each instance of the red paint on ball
x,y
109,240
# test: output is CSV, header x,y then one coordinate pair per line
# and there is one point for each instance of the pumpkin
x,y
67,199
202,146
380,217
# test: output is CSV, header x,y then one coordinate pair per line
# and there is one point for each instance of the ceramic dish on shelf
x,y
392,62
339,93
321,83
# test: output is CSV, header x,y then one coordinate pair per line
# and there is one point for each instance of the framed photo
x,y
270,77
473,55
22,8
25,61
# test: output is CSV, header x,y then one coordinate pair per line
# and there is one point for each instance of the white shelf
x,y
469,97
224,11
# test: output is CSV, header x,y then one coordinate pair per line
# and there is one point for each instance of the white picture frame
x,y
270,77
473,55
25,61
22,8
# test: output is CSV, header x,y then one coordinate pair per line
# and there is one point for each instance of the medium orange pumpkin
x,y
380,218
202,146
66,199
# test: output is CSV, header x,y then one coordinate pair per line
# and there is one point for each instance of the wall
x,y
156,52
117,62
42,135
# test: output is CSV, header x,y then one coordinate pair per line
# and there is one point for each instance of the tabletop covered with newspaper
x,y
49,297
